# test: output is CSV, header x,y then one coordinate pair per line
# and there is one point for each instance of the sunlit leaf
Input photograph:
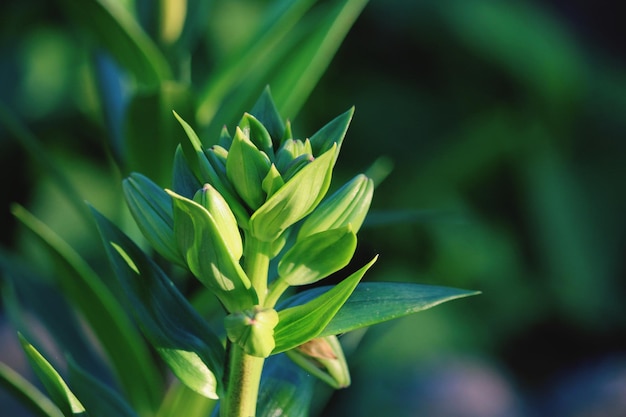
x,y
54,384
303,322
27,393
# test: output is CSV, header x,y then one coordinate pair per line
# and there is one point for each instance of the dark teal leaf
x,y
376,302
98,398
169,322
27,393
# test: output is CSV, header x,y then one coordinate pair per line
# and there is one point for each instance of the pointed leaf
x,y
104,313
265,111
377,302
333,132
183,181
58,390
27,393
301,323
169,322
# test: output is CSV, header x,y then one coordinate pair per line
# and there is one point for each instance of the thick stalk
x,y
244,371
256,265
244,378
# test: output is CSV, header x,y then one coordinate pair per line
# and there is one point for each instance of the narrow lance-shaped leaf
x,y
54,384
106,316
332,132
377,302
177,332
294,200
27,393
304,322
264,110
208,256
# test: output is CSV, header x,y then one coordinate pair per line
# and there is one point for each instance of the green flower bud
x,y
317,256
272,181
290,150
210,255
225,221
348,205
253,330
246,167
151,207
324,358
294,200
257,133
296,165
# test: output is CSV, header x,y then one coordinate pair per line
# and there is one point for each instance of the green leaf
x,y
303,66
106,317
151,133
208,256
121,35
169,322
180,400
27,393
377,302
151,207
294,200
265,111
301,323
99,399
286,390
332,132
54,384
317,256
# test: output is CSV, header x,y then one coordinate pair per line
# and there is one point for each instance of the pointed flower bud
x,y
225,221
348,205
253,330
246,167
324,358
151,207
257,133
208,255
317,256
294,200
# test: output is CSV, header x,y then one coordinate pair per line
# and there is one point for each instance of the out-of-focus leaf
x,y
152,134
276,25
33,146
184,182
305,66
175,329
98,398
115,29
123,344
303,322
376,302
54,384
182,400
27,393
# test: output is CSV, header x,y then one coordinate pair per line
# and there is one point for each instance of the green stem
x,y
242,384
256,265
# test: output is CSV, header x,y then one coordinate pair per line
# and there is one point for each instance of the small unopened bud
x,y
324,358
253,330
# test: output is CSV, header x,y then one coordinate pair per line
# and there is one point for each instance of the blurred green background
x,y
502,125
